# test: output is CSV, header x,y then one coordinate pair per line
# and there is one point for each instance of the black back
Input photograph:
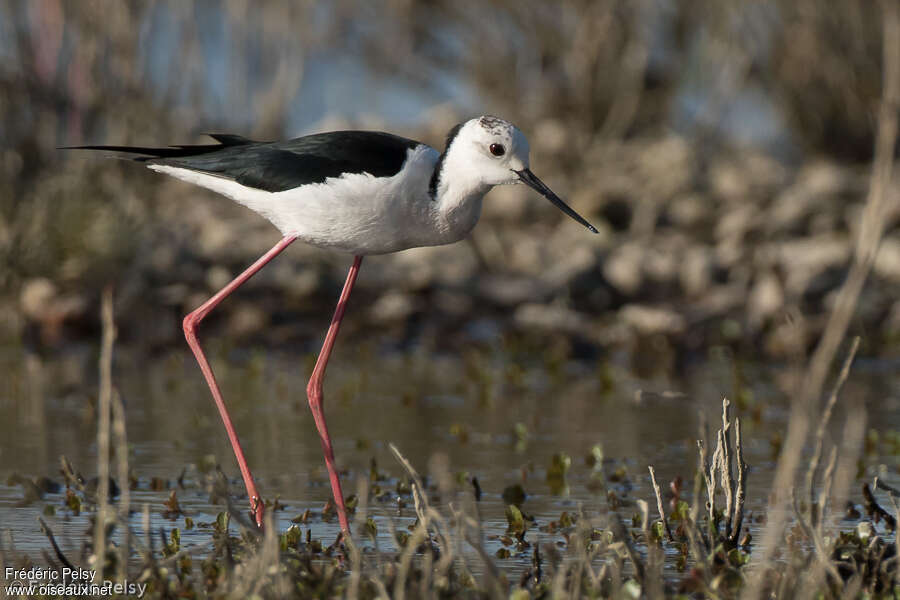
x,y
280,166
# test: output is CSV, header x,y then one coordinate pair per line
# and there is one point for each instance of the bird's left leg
x,y
190,324
314,393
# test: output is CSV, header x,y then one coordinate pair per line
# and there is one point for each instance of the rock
x,y
648,320
736,222
214,234
36,297
728,180
246,319
623,268
892,323
40,301
661,261
729,253
689,210
420,268
569,265
815,185
523,252
544,317
719,300
302,282
887,261
174,294
695,270
788,338
665,166
452,303
509,204
510,290
766,299
297,279
163,257
746,174
765,172
393,306
807,258
217,277
193,300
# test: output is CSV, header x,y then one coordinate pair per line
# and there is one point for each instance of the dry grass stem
x,y
52,539
740,493
121,452
868,241
825,419
104,409
659,503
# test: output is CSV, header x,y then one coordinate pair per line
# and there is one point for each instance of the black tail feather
x,y
224,139
230,139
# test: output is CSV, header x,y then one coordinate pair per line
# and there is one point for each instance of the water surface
x,y
490,414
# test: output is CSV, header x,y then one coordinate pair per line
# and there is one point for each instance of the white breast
x,y
355,213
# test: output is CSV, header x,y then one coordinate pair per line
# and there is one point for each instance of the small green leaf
x,y
459,432
303,518
631,589
737,558
520,434
222,520
73,501
515,519
682,511
291,538
370,528
556,474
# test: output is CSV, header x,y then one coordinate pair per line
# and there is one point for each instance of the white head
x,y
489,151
492,149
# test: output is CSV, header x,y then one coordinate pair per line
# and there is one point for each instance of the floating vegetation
x,y
686,539
556,474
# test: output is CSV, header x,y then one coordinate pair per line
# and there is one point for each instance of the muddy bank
x,y
694,250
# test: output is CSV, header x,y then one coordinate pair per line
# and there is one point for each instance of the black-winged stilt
x,y
360,192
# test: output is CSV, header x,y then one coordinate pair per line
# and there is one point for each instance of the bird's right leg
x,y
190,326
314,393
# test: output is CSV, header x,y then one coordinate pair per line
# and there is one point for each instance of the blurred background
x,y
723,148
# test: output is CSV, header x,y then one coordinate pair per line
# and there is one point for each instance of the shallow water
x,y
465,410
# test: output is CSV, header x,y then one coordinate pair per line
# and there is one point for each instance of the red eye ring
x,y
497,149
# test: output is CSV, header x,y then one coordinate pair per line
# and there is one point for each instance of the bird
x,y
357,192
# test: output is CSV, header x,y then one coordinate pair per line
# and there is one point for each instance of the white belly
x,y
355,213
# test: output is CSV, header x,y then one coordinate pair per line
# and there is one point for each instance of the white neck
x,y
459,195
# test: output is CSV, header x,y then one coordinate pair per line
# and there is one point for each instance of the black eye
x,y
498,149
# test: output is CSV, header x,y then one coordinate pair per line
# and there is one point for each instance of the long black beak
x,y
529,179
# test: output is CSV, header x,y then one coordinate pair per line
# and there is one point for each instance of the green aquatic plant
x,y
556,473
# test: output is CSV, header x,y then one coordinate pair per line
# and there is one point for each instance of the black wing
x,y
279,166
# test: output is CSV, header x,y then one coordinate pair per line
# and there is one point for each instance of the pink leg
x,y
314,392
190,325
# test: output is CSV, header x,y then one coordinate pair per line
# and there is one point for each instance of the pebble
x,y
648,320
